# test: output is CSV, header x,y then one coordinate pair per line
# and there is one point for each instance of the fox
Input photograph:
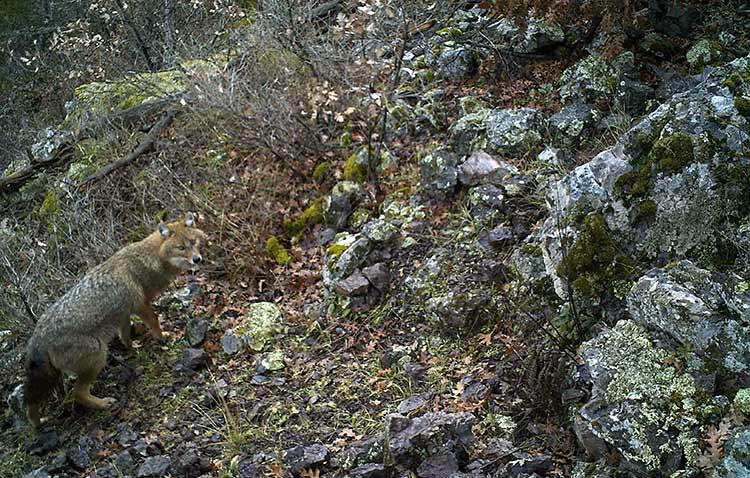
x,y
74,333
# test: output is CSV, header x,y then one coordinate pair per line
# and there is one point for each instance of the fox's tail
x,y
41,380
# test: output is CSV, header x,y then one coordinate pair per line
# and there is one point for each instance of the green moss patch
x,y
354,170
310,217
742,104
593,262
277,252
320,171
672,153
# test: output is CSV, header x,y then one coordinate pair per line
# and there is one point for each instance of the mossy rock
x,y
355,169
742,103
320,172
705,52
277,252
310,217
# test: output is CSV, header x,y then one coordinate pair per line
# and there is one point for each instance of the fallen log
x,y
63,153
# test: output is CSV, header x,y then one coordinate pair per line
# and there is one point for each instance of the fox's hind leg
x,y
86,360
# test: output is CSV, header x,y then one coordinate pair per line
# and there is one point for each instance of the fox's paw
x,y
107,402
158,335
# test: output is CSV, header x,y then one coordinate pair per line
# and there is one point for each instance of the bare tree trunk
x,y
138,39
169,33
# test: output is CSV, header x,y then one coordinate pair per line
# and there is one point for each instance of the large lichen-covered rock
x,y
510,131
648,410
705,313
587,81
674,186
439,170
458,310
455,287
257,330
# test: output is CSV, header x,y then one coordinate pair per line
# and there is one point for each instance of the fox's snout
x,y
197,259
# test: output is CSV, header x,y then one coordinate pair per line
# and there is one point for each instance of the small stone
x,y
355,284
378,276
325,236
457,64
475,392
415,371
380,230
231,343
124,462
263,322
38,473
248,469
415,403
483,168
570,122
273,361
259,379
526,466
125,435
441,465
78,459
108,471
501,236
46,442
552,156
17,404
196,331
439,171
154,466
370,470
193,359
510,131
305,457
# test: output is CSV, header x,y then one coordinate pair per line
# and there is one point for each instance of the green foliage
x,y
645,210
49,206
634,183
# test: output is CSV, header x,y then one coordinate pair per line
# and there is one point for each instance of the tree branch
x,y
144,146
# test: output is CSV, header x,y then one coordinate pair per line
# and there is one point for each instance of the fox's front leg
x,y
146,313
125,333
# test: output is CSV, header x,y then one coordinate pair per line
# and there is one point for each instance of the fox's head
x,y
181,242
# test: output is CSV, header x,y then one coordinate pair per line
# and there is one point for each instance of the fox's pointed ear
x,y
190,219
164,230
